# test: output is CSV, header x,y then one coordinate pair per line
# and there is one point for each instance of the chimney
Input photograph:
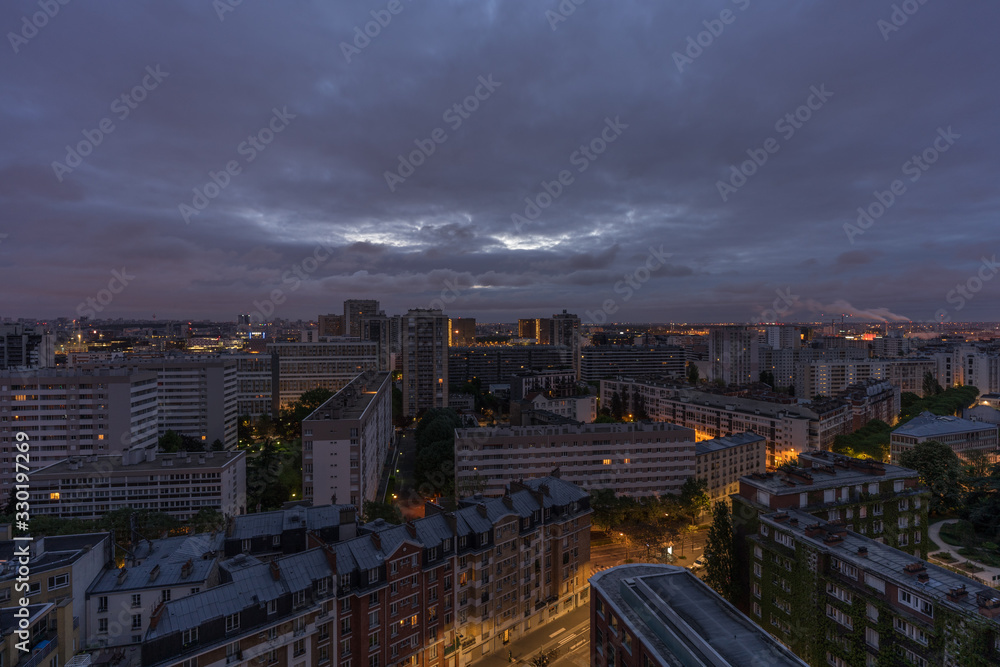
x,y
914,568
411,528
863,552
275,570
544,488
482,509
556,473
121,575
452,522
780,517
230,526
377,541
154,620
186,569
154,573
508,502
331,559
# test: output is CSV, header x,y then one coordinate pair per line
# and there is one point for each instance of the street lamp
x,y
626,544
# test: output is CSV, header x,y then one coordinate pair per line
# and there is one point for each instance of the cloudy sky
x,y
647,109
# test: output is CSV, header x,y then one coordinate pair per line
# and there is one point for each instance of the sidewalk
x,y
988,573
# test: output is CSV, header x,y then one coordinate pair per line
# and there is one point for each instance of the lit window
x,y
54,495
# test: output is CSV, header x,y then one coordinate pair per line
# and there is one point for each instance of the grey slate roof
x,y
927,425
169,555
719,444
247,526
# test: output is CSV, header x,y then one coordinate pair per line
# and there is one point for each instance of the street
x,y
569,633
686,550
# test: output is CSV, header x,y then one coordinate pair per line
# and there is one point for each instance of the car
x,y
699,562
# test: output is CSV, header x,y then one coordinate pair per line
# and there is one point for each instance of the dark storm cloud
x,y
532,103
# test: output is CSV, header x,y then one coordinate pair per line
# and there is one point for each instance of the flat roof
x,y
507,431
684,622
107,465
353,399
927,424
726,442
827,470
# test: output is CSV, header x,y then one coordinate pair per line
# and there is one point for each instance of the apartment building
x,y
347,440
61,568
638,458
885,502
331,363
789,428
196,395
581,409
874,399
442,591
551,382
721,462
964,436
664,616
843,599
829,377
496,364
26,347
608,361
181,484
733,354
908,373
256,377
425,361
74,413
356,310
120,602
462,331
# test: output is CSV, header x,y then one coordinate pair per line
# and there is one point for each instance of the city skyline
x,y
235,150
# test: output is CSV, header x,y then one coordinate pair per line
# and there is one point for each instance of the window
x,y
373,619
785,539
911,631
345,647
756,609
299,647
189,636
373,641
299,598
345,605
102,625
756,569
877,509
165,595
58,581
373,575
871,611
232,622
272,607
875,582
373,660
840,593
102,603
345,626
871,637
136,621
136,600
839,616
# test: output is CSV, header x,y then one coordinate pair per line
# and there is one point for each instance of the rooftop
x,y
247,526
928,425
823,470
517,431
153,461
726,442
683,621
353,400
173,561
50,553
871,556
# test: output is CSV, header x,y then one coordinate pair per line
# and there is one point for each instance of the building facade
x,y
425,361
347,440
608,361
965,437
180,484
721,462
733,353
639,458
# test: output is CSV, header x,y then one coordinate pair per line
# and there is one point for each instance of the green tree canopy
x,y
720,552
372,510
940,471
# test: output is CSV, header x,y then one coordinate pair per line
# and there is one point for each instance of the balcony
x,y
40,652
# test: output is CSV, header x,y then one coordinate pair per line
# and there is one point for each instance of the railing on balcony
x,y
40,652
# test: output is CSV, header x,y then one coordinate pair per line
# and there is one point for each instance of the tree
x,y
767,377
372,510
640,413
720,552
606,508
692,373
931,386
617,407
206,520
170,442
217,445
694,497
940,471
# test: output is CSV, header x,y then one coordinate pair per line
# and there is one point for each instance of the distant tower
x,y
425,360
355,310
